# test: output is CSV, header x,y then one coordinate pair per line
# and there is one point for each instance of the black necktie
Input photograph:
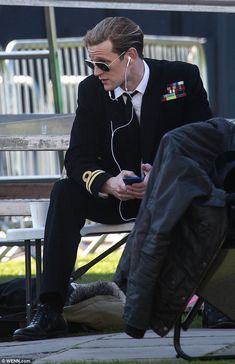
x,y
129,109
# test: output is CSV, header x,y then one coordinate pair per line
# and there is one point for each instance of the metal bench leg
x,y
38,266
28,277
82,270
184,325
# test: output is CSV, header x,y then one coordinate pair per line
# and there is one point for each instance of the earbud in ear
x,y
128,61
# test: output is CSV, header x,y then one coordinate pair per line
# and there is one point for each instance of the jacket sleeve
x,y
197,106
83,158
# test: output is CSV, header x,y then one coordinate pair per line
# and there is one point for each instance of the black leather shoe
x,y
45,324
215,319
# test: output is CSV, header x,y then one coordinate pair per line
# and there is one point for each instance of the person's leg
x,y
66,216
69,206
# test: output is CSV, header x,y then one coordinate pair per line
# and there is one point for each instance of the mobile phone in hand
x,y
129,180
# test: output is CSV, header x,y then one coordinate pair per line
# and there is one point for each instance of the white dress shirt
x,y
137,98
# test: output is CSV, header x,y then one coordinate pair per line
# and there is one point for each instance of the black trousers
x,y
70,206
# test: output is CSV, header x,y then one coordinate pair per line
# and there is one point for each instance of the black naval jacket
x,y
97,146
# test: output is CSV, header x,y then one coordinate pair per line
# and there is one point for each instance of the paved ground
x,y
117,346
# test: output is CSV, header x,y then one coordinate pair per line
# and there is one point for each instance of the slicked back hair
x,y
122,32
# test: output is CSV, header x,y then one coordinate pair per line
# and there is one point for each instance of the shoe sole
x,y
31,338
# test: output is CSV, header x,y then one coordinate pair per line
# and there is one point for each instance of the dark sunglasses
x,y
101,65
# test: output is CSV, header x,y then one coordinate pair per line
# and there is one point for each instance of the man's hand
x,y
137,190
116,187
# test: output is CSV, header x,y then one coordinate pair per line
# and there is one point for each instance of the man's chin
x,y
108,88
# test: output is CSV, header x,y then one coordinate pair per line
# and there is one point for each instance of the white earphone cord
x,y
113,133
115,160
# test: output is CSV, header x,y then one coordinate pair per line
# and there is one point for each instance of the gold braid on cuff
x,y
89,176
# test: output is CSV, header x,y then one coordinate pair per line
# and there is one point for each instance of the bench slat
x,y
17,207
29,179
34,142
25,190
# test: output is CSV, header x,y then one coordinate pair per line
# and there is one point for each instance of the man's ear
x,y
132,53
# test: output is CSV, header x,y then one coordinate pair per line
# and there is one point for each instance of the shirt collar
x,y
118,91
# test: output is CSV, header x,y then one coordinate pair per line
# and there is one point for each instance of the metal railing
x,y
71,55
25,83
34,76
21,76
186,49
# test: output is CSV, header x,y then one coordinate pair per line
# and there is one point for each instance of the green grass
x,y
103,270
